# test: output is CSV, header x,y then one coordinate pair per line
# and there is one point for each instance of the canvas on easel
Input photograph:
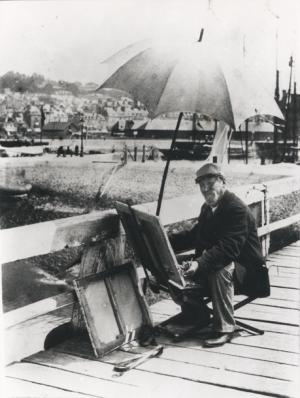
x,y
151,244
114,309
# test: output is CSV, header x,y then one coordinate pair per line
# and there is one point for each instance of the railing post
x,y
265,220
135,153
144,154
125,154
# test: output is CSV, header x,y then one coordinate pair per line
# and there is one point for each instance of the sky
x,y
68,40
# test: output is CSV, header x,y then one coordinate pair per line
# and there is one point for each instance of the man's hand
x,y
191,270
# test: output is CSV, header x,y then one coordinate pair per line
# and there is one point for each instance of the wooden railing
x,y
27,327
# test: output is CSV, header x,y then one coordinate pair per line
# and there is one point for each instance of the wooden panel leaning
x,y
98,257
114,309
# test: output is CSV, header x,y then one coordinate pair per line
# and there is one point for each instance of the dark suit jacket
x,y
228,234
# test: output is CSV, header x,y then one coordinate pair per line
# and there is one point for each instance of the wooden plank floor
x,y
249,366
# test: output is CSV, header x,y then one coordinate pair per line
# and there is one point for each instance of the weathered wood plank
x,y
274,226
16,388
291,249
178,352
285,271
227,362
221,378
251,311
21,242
38,308
272,341
295,244
281,261
288,294
153,385
290,283
273,302
283,186
28,337
289,256
286,258
279,328
66,380
240,350
293,252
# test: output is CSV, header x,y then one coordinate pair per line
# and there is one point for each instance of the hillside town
x,y
61,114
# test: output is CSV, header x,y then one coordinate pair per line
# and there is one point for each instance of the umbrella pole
x,y
163,182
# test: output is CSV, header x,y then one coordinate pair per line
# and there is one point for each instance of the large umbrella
x,y
186,77
169,78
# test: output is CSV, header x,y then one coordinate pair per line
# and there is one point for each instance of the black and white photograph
x,y
149,198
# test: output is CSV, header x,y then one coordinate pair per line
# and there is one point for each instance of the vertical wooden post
x,y
228,148
229,136
265,220
144,154
125,154
216,126
247,141
295,135
135,153
275,144
194,127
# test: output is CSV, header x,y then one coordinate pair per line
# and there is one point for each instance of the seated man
x,y
225,240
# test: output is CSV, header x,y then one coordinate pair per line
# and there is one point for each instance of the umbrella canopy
x,y
173,78
186,77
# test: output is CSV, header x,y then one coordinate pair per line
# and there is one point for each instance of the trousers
x,y
222,294
219,286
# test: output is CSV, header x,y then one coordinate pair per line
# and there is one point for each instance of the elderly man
x,y
227,248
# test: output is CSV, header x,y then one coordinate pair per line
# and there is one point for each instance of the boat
x,y
14,189
36,150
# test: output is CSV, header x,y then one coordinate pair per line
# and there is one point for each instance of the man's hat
x,y
208,170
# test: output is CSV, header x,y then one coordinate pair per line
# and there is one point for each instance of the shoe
x,y
218,339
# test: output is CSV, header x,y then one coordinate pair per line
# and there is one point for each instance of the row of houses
x,y
58,115
97,114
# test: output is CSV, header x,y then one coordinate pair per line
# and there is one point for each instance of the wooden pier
x,y
248,366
